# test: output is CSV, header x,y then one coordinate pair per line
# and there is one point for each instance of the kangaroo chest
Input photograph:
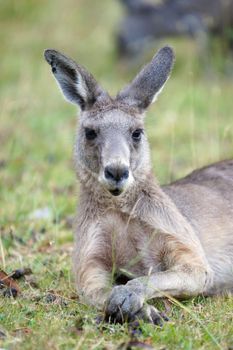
x,y
131,247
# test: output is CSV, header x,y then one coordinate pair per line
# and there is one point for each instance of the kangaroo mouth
x,y
116,192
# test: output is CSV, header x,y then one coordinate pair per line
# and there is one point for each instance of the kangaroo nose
x,y
116,174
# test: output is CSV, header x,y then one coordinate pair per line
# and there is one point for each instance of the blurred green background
x,y
190,125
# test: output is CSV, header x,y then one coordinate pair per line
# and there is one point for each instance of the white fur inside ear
x,y
159,91
66,84
81,87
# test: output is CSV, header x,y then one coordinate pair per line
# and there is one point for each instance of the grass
x,y
191,125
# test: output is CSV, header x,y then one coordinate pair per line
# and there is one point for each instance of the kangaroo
x,y
172,240
146,22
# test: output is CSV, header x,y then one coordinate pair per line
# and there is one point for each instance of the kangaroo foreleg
x,y
127,302
93,278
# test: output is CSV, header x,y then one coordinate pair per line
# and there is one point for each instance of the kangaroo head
x,y
111,142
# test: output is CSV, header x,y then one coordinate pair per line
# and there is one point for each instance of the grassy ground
x,y
190,125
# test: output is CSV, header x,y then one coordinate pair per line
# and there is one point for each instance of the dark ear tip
x,y
168,51
168,48
49,55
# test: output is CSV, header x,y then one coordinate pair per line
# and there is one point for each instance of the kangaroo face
x,y
111,143
113,146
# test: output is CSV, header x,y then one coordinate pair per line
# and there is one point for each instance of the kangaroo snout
x,y
116,174
116,178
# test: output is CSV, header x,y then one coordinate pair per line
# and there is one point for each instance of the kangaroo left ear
x,y
76,83
147,85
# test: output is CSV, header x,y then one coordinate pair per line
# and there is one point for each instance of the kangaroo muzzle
x,y
116,177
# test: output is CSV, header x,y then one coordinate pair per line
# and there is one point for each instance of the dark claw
x,y
150,314
157,318
135,329
122,305
164,317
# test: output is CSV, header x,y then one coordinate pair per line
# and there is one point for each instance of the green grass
x,y
191,125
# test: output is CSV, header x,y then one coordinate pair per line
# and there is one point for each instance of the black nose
x,y
116,173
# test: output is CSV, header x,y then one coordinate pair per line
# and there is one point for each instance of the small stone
x,y
19,273
50,298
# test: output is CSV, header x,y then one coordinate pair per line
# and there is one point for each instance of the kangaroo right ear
x,y
76,83
144,89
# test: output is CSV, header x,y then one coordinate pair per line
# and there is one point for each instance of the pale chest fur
x,y
130,245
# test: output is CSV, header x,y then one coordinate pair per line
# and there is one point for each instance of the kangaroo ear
x,y
76,83
144,89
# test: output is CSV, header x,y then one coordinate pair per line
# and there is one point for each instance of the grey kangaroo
x,y
147,21
172,240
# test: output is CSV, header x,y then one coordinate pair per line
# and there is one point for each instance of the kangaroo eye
x,y
90,134
137,135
